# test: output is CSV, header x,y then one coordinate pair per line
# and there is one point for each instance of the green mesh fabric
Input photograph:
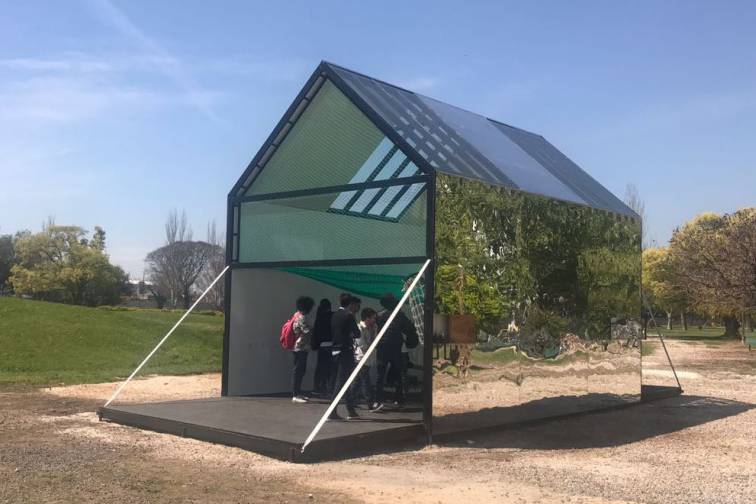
x,y
306,229
372,285
325,147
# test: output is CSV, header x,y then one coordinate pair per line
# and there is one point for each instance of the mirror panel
x,y
537,307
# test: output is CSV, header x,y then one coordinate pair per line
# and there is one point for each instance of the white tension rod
x,y
364,359
120,388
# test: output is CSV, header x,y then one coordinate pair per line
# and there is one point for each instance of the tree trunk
x,y
684,321
187,298
747,324
731,327
669,320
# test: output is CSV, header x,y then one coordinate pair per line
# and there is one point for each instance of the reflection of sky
x,y
506,155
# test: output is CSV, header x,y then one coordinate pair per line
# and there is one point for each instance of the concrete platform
x,y
275,427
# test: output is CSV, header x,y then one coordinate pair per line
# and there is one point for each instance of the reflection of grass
x,y
497,357
509,355
647,349
693,333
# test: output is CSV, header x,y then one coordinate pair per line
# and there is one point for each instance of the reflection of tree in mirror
x,y
534,268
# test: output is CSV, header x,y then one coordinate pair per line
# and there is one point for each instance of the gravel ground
x,y
700,447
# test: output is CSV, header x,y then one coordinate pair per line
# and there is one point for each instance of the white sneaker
x,y
298,399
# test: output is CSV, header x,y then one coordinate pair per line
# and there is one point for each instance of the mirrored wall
x,y
538,307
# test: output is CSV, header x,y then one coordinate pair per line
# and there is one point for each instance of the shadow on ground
x,y
609,429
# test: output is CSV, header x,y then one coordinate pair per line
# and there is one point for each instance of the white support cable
x,y
661,338
364,359
120,388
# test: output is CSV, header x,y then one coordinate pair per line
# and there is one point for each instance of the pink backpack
x,y
288,338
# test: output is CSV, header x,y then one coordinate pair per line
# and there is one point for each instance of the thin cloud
x,y
668,116
82,63
262,69
55,65
170,66
67,98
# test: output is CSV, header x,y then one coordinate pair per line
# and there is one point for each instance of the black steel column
x,y
230,232
429,306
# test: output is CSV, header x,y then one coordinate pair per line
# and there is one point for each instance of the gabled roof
x,y
447,139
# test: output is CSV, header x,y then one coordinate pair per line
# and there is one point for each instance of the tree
x,y
714,260
175,267
7,258
98,239
59,264
214,267
659,284
636,204
177,228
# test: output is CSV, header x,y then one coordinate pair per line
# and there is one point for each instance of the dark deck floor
x,y
274,426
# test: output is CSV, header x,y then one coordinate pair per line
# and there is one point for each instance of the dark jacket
x,y
322,330
344,329
401,327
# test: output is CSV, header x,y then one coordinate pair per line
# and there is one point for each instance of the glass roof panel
x,y
465,144
506,155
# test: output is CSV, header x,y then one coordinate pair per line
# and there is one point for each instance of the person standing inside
x,y
302,328
368,332
344,331
400,331
321,342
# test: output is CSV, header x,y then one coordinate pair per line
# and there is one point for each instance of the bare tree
x,y
176,228
175,267
636,204
214,267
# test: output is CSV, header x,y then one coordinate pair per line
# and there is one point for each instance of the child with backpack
x,y
296,336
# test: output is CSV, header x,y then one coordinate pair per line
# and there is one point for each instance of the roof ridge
x,y
369,77
335,65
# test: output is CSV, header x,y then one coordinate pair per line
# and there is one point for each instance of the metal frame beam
x,y
331,262
404,181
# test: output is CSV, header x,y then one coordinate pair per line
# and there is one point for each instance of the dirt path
x,y
700,447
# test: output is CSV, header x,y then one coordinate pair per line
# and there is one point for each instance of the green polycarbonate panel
x,y
327,146
307,229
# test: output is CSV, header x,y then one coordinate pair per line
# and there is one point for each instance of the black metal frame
x,y
429,307
368,261
298,193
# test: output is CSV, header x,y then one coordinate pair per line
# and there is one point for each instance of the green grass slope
x,y
50,343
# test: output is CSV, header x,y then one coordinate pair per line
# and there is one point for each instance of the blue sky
x,y
112,113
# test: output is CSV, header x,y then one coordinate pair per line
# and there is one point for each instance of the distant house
x,y
140,290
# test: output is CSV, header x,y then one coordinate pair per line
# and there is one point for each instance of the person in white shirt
x,y
368,331
302,327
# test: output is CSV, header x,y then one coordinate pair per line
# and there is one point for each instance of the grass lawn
x,y
693,333
51,343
